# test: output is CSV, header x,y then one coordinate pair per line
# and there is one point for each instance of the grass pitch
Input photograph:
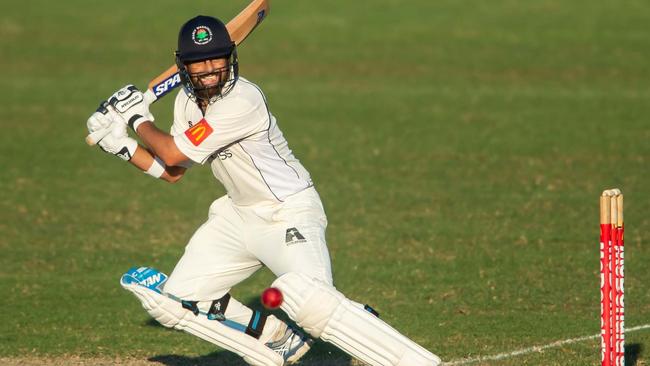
x,y
459,147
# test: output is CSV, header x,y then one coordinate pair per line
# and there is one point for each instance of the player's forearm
x,y
173,173
146,162
161,143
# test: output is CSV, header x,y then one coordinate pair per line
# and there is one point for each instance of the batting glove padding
x,y
99,120
117,142
130,103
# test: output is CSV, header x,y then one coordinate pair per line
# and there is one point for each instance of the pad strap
x,y
256,324
371,310
218,308
191,306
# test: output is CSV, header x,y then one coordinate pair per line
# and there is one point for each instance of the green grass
x,y
459,147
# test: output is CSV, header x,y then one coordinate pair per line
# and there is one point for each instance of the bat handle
x,y
150,97
97,136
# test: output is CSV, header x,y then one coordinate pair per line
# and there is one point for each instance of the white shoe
x,y
290,343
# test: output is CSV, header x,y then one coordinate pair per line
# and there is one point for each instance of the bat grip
x,y
150,97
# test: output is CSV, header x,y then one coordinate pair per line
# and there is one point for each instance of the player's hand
x,y
118,142
130,103
99,120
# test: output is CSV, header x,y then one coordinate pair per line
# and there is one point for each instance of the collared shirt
x,y
240,139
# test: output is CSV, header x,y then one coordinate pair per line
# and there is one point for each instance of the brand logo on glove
x,y
124,105
199,132
124,154
201,35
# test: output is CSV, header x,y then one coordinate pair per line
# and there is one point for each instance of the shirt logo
x,y
293,236
199,132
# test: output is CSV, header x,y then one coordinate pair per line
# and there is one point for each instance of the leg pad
x,y
172,314
326,313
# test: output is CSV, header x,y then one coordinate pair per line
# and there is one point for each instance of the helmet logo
x,y
201,35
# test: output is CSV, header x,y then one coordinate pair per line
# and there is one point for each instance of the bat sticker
x,y
166,85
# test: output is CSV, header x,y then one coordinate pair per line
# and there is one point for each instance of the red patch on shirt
x,y
199,132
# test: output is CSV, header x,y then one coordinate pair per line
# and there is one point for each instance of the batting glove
x,y
99,120
130,103
117,142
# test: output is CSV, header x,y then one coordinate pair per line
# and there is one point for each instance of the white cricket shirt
x,y
240,139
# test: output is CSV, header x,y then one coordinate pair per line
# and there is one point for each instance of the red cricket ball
x,y
272,298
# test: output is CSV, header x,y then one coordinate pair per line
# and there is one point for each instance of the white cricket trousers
x,y
236,241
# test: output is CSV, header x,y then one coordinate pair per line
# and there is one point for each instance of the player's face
x,y
209,76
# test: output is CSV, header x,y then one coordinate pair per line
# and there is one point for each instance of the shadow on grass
x,y
216,358
153,323
321,354
632,353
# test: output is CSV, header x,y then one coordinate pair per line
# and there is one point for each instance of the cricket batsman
x,y
271,216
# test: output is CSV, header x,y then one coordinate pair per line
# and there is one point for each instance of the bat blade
x,y
247,20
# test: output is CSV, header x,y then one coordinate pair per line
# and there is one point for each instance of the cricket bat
x,y
239,28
